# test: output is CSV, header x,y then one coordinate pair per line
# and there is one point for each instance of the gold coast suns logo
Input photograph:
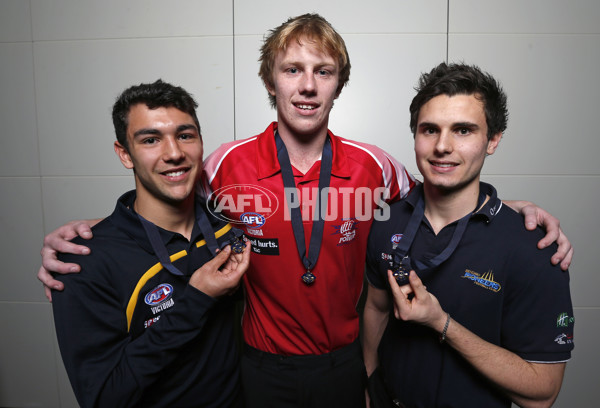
x,y
485,280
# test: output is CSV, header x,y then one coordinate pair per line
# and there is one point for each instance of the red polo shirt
x,y
283,315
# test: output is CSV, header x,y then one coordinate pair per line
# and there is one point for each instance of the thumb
x,y
220,258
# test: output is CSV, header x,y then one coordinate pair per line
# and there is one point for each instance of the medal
x,y
401,272
401,275
237,246
308,278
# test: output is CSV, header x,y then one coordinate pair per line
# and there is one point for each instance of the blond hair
x,y
308,27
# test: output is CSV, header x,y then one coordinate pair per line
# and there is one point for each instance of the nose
x,y
308,83
444,142
172,151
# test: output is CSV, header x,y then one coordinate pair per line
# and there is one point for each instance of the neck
x,y
303,152
443,208
178,217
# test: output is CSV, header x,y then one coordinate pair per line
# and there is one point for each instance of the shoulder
x,y
377,163
229,151
510,223
364,152
524,261
108,242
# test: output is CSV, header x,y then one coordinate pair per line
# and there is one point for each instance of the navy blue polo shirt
x,y
131,333
496,283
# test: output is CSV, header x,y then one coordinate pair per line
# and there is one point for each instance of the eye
x,y
429,131
463,131
150,140
323,72
186,136
292,70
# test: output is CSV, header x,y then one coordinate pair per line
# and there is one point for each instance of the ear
x,y
270,88
493,143
124,156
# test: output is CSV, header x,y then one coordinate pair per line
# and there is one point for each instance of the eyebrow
x,y
469,125
153,131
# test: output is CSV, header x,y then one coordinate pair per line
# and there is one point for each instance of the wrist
x,y
444,331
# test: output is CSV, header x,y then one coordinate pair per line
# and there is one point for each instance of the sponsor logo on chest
x,y
346,230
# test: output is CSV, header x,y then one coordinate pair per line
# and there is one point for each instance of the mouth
x,y
305,106
175,173
443,165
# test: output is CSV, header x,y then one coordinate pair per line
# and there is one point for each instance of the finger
x,y
417,285
66,247
564,248
530,214
553,234
48,293
83,230
396,289
241,267
406,289
566,262
220,258
48,280
246,255
51,264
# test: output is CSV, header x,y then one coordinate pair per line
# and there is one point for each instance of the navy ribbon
x,y
161,250
402,261
316,236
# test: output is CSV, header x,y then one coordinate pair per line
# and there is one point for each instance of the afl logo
x,y
159,294
253,220
396,238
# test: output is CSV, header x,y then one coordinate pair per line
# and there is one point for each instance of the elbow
x,y
545,400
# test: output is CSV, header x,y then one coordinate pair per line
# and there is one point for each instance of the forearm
x,y
374,323
527,384
375,319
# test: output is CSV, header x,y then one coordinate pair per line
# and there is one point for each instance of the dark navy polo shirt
x,y
496,283
131,333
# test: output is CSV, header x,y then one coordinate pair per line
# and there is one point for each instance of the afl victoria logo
x,y
159,294
252,219
396,238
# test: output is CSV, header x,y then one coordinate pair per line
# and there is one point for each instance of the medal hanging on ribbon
x,y
309,260
402,263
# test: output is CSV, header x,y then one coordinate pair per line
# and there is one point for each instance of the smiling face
x,y
451,143
305,82
165,152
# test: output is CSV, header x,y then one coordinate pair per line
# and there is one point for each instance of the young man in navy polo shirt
x,y
481,318
148,321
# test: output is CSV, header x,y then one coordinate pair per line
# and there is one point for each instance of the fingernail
x,y
85,251
73,269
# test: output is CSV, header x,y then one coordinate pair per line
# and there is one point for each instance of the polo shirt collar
x,y
268,164
126,219
493,205
489,210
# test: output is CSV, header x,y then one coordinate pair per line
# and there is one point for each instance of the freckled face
x,y
165,151
305,84
451,142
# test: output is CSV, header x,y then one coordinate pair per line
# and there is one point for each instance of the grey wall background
x,y
62,63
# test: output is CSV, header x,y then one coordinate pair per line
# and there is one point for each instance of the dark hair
x,y
312,28
462,79
158,94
